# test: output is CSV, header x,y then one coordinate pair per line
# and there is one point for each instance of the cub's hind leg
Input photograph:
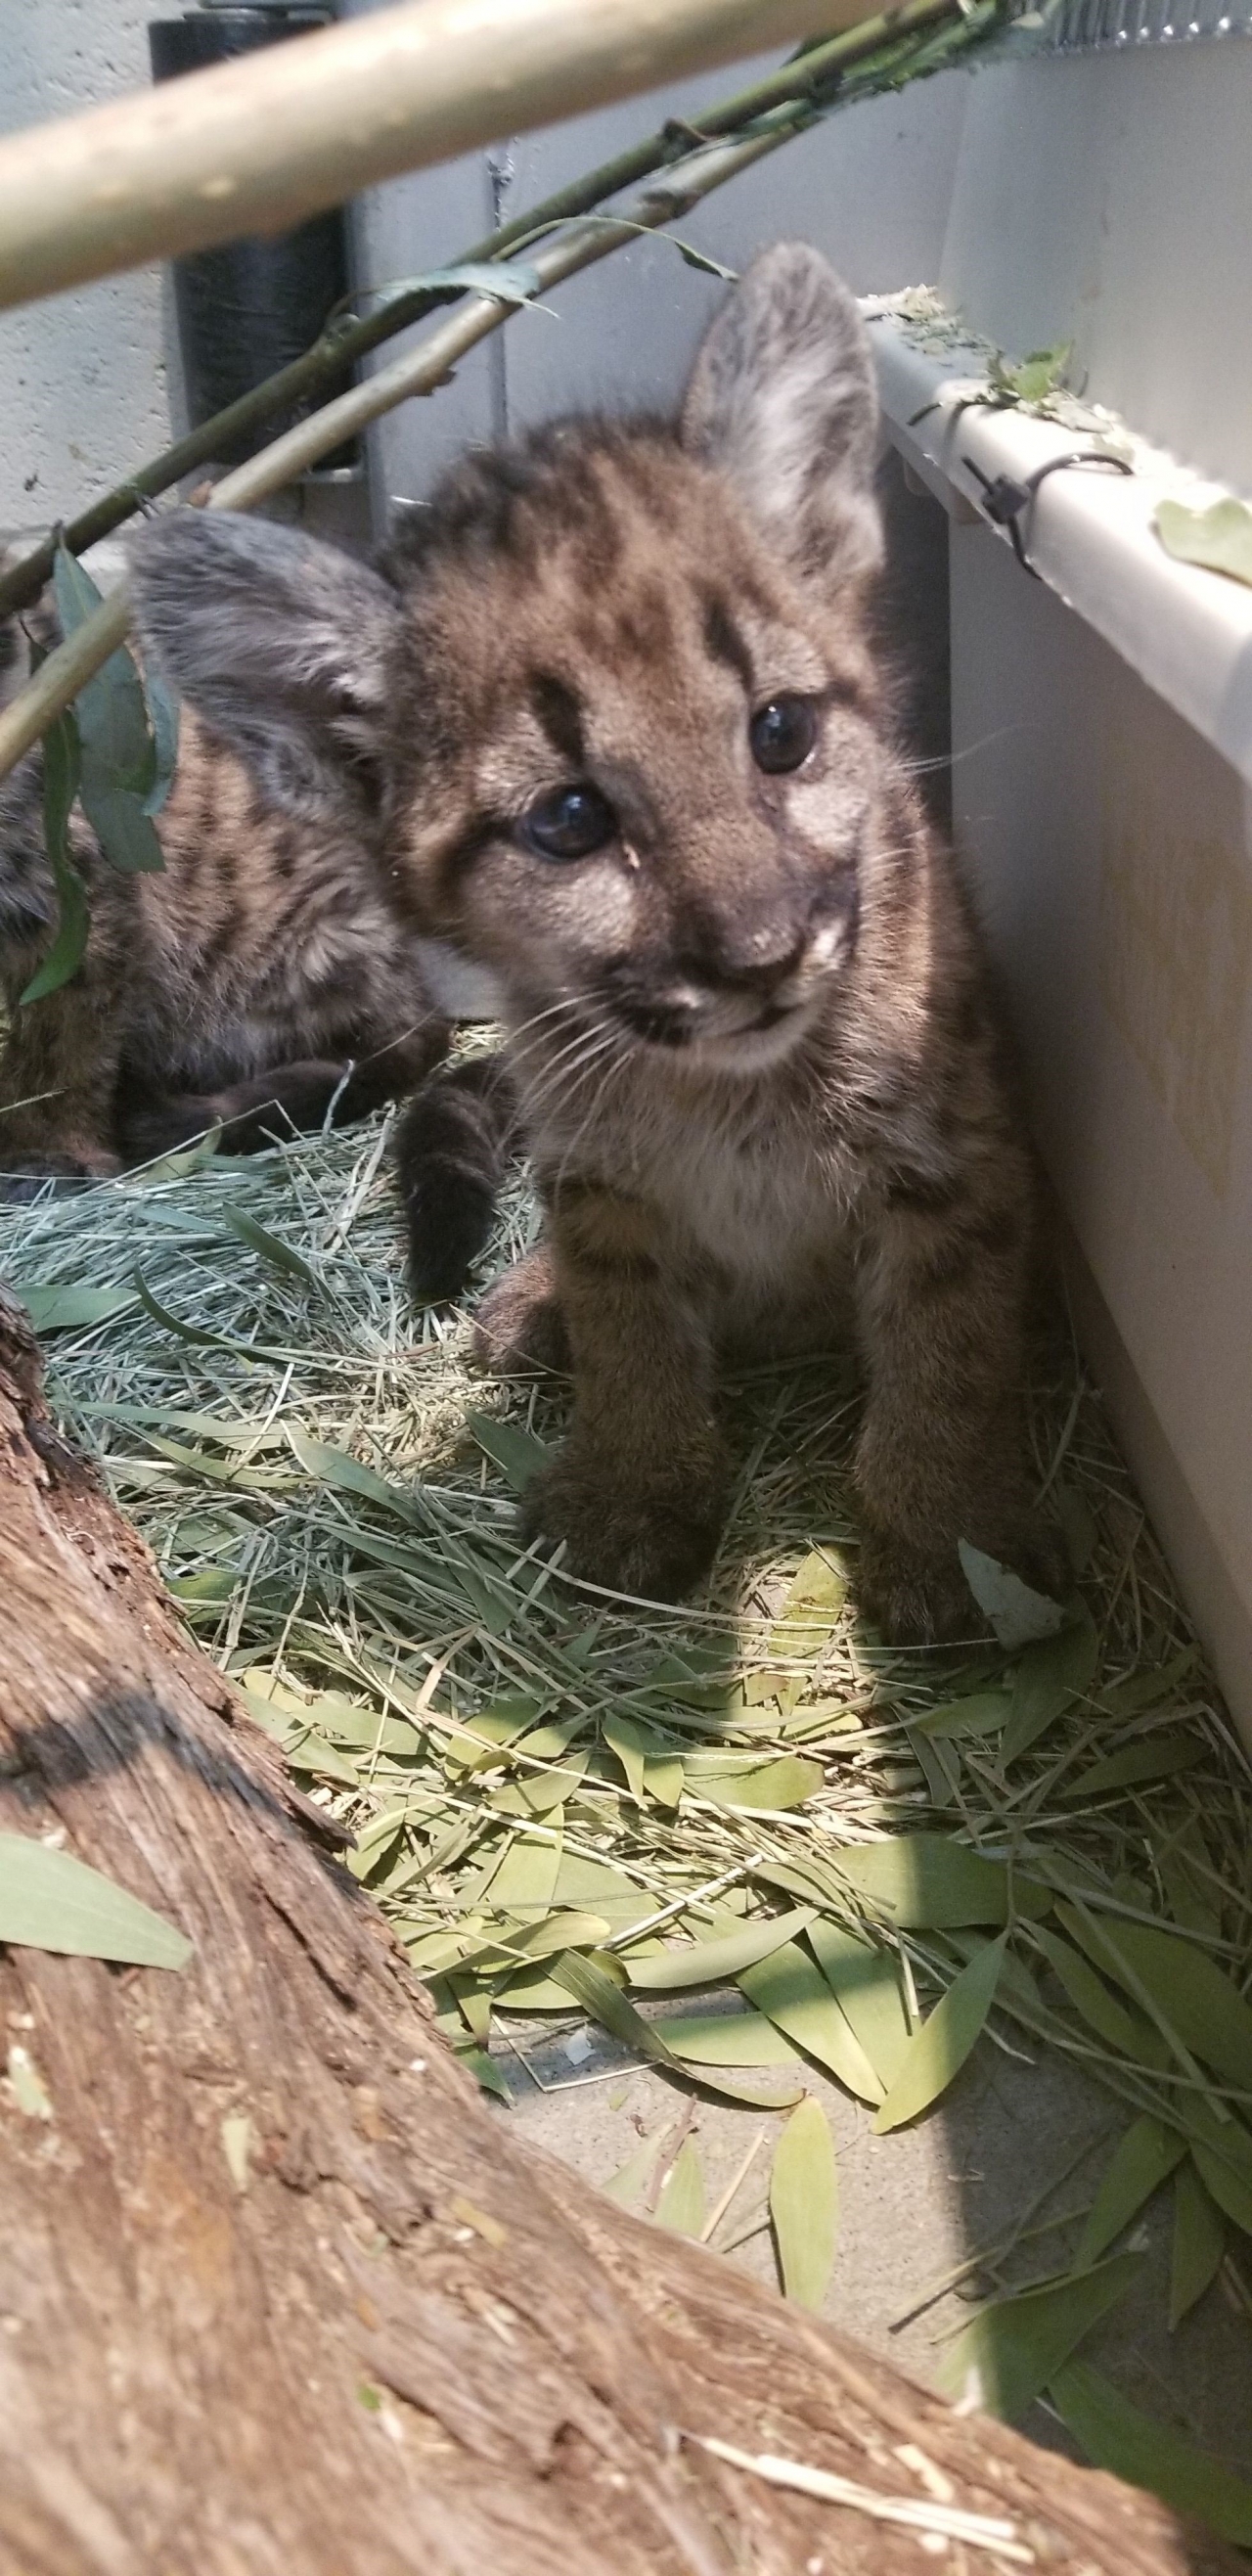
x,y
942,1292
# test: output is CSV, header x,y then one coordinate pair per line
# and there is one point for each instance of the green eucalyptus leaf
x,y
1017,1614
790,1988
511,281
51,1901
280,1256
1199,2244
1144,2157
69,1309
1116,2435
980,1714
629,2185
925,1882
118,818
515,1452
715,1962
111,714
588,1983
163,716
865,1982
1218,539
61,766
1151,1757
1049,1675
726,2039
804,2204
937,2052
1201,2004
682,2202
1088,1994
1012,2350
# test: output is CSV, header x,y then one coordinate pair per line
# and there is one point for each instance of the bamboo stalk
x,y
257,145
68,668
813,76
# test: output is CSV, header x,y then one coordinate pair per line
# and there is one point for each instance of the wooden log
x,y
279,2295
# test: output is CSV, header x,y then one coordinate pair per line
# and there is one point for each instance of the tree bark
x,y
399,2342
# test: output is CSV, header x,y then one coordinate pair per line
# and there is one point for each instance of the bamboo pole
x,y
68,668
814,76
257,145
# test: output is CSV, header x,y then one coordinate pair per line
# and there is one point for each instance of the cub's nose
x,y
758,964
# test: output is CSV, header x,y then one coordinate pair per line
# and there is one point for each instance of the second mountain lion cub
x,y
637,763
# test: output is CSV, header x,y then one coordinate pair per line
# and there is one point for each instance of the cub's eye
x,y
569,825
783,733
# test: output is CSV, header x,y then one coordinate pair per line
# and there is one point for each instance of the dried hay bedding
x,y
558,1798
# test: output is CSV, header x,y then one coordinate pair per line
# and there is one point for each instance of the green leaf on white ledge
x,y
1218,539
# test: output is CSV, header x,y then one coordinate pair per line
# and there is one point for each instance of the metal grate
x,y
1078,25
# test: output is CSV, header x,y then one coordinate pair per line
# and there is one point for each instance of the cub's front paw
x,y
654,1542
519,1324
916,1598
22,1179
912,1598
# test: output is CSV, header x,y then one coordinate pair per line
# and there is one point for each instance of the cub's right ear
x,y
782,399
281,643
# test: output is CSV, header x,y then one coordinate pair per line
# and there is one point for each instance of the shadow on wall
x,y
913,626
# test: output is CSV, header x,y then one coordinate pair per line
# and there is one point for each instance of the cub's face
x,y
607,712
643,759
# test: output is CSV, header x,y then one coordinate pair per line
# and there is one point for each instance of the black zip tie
x,y
1005,500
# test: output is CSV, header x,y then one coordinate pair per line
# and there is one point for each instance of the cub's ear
x,y
279,642
783,399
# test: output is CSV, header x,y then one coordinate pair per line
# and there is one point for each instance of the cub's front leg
x,y
942,1287
638,1492
58,1077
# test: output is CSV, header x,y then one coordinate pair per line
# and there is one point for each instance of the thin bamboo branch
x,y
813,76
67,669
258,144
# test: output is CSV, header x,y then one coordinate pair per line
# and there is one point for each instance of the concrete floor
x,y
915,2204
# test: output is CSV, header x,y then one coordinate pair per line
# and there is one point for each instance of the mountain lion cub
x,y
636,761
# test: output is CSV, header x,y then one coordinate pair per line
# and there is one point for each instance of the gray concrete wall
x,y
84,390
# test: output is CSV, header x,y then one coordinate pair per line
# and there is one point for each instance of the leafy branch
x,y
119,743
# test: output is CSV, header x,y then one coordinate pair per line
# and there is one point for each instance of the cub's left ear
x,y
281,643
783,399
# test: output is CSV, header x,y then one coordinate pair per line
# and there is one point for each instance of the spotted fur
x,y
750,1043
261,981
